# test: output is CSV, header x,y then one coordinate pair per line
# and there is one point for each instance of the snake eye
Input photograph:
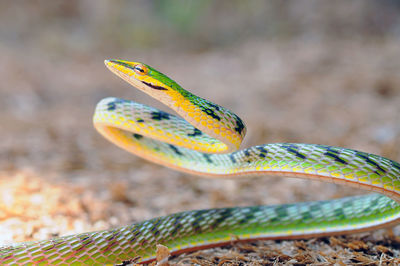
x,y
140,69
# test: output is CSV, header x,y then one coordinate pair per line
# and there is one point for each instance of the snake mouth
x,y
160,88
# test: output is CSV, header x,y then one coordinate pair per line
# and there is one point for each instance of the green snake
x,y
205,143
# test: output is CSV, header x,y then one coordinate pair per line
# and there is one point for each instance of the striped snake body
x,y
205,143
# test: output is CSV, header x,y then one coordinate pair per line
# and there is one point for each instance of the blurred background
x,y
323,72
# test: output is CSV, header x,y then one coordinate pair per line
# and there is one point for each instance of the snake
x,y
204,140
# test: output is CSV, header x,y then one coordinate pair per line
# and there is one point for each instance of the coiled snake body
x,y
196,147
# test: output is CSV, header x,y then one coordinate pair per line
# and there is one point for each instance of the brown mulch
x,y
59,177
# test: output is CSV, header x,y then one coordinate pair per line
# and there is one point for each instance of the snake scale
x,y
205,142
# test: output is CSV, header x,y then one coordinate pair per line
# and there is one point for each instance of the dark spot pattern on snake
x,y
294,150
196,132
159,115
175,149
137,136
333,153
379,170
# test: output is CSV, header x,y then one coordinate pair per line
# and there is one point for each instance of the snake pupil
x,y
140,69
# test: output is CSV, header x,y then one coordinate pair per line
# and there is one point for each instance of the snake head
x,y
139,75
201,113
